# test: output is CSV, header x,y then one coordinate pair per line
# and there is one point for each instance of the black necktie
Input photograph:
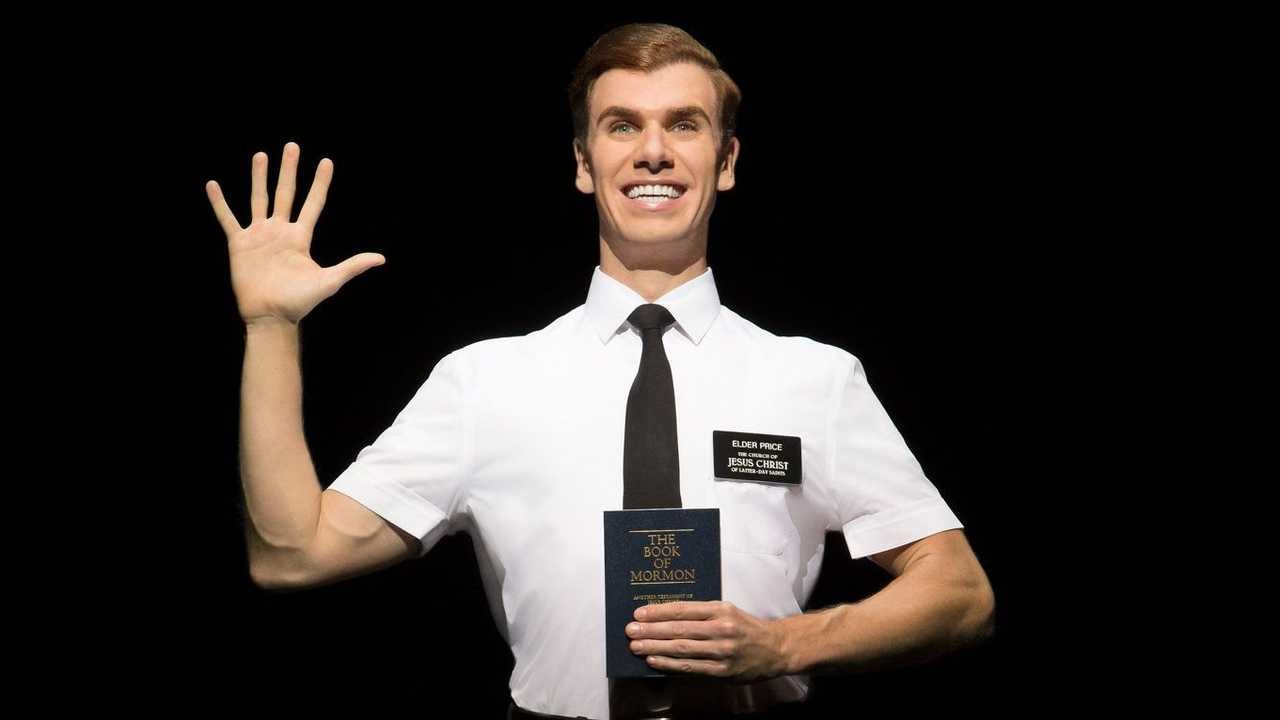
x,y
650,458
650,479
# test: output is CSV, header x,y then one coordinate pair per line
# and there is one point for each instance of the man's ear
x,y
583,181
725,181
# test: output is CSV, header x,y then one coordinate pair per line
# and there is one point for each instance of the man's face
x,y
654,129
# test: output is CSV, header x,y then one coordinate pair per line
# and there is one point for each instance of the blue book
x,y
654,556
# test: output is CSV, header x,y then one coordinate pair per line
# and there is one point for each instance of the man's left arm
x,y
939,601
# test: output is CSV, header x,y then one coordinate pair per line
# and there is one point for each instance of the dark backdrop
x,y
910,190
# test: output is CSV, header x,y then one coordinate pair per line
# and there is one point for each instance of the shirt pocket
x,y
754,517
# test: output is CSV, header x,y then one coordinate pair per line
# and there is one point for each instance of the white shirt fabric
x,y
519,442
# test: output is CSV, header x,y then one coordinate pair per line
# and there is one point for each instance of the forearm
x,y
927,611
281,489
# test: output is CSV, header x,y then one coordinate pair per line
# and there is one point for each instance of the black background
x,y
925,192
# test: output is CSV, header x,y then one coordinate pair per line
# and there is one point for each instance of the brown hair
x,y
648,47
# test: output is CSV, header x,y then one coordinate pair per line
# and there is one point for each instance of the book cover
x,y
654,556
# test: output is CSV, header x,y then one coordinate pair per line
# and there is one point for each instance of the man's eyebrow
x,y
674,114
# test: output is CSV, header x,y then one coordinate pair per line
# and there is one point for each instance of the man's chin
x,y
655,239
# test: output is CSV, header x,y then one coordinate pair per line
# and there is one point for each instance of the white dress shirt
x,y
519,442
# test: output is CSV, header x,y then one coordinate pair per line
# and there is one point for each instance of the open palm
x,y
272,273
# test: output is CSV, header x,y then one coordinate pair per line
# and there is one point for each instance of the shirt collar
x,y
694,304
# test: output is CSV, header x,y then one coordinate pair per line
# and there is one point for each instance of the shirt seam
x,y
832,441
468,436
372,482
466,428
896,514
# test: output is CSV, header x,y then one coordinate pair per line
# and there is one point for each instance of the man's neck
x,y
653,274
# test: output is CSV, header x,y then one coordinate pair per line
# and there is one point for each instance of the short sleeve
x,y
882,496
413,474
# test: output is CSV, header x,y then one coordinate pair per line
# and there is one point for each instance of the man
x,y
519,441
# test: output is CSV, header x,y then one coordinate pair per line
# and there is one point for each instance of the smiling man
x,y
522,442
650,151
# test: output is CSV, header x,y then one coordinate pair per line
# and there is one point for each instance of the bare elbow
x,y
278,583
984,615
278,571
259,580
265,580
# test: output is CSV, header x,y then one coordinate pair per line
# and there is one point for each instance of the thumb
x,y
341,273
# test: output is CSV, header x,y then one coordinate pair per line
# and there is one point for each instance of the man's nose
x,y
654,151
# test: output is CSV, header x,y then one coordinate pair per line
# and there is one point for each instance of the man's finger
x,y
715,668
258,194
286,182
696,629
338,275
226,218
712,649
683,610
316,196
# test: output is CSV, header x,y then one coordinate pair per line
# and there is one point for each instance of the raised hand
x,y
272,273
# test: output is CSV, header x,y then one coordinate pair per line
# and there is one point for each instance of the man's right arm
x,y
297,535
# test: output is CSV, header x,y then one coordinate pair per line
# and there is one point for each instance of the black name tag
x,y
753,456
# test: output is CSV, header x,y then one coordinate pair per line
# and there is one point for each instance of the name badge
x,y
756,457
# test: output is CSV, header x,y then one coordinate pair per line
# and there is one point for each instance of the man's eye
x,y
682,124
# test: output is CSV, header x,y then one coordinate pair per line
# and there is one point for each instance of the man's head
x,y
651,106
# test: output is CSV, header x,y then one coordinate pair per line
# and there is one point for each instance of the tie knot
x,y
650,317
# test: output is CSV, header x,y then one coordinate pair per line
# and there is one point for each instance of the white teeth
x,y
655,190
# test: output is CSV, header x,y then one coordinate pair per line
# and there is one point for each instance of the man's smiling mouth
x,y
654,192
